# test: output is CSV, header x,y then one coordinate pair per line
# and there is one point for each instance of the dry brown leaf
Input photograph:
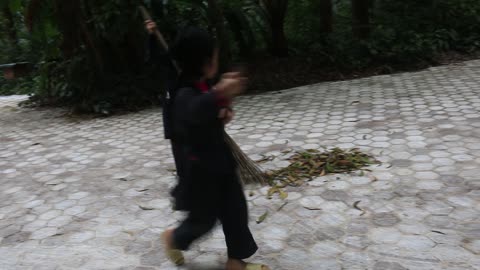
x,y
312,208
262,217
344,163
283,194
272,191
282,206
355,205
265,159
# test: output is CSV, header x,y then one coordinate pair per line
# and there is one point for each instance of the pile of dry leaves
x,y
307,165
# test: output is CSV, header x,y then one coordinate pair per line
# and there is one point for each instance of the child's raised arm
x,y
206,108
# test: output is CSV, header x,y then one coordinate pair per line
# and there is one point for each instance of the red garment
x,y
222,102
203,86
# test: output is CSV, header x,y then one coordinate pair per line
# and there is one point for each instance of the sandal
x,y
174,255
253,266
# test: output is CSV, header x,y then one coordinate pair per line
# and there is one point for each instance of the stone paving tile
x,y
72,189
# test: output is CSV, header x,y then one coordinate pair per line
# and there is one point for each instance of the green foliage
x,y
404,32
248,23
303,23
93,57
21,86
15,46
90,54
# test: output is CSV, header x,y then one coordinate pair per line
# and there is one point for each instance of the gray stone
x,y
312,202
358,242
78,195
358,228
416,243
442,222
80,237
327,249
138,247
402,163
60,221
385,219
473,246
16,238
152,258
75,210
50,214
301,240
334,195
65,204
388,266
385,235
43,233
9,230
329,233
354,260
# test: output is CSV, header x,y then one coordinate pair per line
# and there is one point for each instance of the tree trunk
x,y
11,30
277,11
361,18
217,18
279,40
326,16
68,15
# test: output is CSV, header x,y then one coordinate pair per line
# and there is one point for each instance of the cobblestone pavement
x,y
74,193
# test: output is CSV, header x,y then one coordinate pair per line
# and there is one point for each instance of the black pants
x,y
179,191
217,197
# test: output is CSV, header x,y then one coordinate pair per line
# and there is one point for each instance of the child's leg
x,y
205,191
234,218
193,227
179,192
178,157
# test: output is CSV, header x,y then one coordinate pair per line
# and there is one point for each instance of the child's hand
x,y
231,75
150,26
231,85
226,115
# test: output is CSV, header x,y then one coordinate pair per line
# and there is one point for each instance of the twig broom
x,y
248,171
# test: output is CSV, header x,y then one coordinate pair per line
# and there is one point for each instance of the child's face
x,y
211,68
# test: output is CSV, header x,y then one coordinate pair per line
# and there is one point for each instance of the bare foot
x,y
167,237
174,255
233,264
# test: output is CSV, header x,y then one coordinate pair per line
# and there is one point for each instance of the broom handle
x,y
161,40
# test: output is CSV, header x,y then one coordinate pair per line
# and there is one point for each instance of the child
x,y
211,187
155,54
161,58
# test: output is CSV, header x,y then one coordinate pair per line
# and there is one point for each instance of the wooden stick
x,y
146,16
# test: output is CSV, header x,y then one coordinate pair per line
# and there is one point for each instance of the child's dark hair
x,y
192,49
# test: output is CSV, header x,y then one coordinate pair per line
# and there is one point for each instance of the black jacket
x,y
198,128
161,61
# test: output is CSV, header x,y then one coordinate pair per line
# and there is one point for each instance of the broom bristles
x,y
248,171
